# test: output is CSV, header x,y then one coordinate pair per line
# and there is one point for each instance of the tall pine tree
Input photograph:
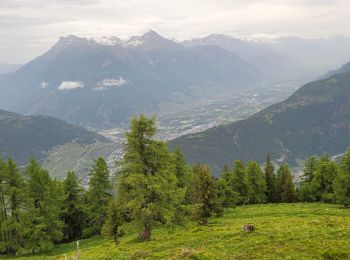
x,y
238,182
342,181
72,211
322,181
205,194
285,186
306,193
270,180
226,187
98,196
256,183
44,225
114,220
14,224
147,183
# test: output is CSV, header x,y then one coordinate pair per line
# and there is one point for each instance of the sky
x,y
28,28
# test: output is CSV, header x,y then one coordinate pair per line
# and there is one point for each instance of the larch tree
x,y
205,194
44,224
306,193
114,220
238,181
285,185
322,182
72,211
256,183
270,180
98,196
147,185
14,224
226,188
342,181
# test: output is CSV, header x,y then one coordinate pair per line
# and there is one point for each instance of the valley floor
x,y
284,231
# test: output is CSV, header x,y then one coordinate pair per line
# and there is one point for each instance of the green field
x,y
284,231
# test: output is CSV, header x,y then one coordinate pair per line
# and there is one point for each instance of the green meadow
x,y
283,231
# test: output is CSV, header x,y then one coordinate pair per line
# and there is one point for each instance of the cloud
x,y
44,84
109,83
69,85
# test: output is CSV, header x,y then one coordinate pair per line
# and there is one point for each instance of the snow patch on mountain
x,y
69,85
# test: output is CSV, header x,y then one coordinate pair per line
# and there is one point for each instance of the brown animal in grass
x,y
249,228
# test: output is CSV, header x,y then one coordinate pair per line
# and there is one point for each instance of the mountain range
x,y
313,121
102,83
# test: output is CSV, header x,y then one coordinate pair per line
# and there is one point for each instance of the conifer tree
x,y
322,182
255,182
205,194
44,224
182,171
342,181
285,185
270,180
184,177
12,224
310,169
114,220
3,213
238,181
226,188
72,211
306,193
98,196
147,183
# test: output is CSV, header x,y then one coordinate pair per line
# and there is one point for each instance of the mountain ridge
x,y
313,120
91,84
26,137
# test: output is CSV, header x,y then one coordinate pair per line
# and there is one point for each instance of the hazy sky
x,y
30,27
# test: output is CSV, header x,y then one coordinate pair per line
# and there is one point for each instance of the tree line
x,y
154,186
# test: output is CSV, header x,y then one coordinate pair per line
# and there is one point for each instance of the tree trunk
x,y
145,234
115,236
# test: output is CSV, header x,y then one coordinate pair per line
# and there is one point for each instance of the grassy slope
x,y
284,231
76,157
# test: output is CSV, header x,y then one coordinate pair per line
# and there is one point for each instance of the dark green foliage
x,y
182,171
310,169
98,196
317,180
322,180
286,189
226,188
342,181
12,202
205,194
238,181
306,193
255,183
44,227
72,211
270,180
114,220
147,182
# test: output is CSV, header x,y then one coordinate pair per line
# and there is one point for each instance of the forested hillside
x,y
152,188
25,137
314,120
